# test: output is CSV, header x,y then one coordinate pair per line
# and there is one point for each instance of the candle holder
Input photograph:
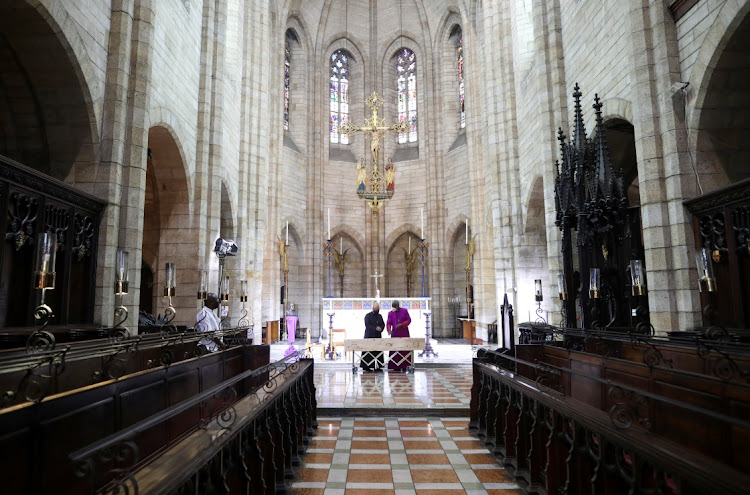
x,y
224,302
328,248
428,350
243,322
706,278
170,289
423,252
330,351
562,294
122,279
44,279
637,278
202,285
539,297
594,283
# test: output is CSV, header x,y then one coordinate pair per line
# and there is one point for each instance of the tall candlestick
x,y
466,240
329,223
421,223
287,233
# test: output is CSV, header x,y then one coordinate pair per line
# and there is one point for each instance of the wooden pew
x,y
42,434
358,346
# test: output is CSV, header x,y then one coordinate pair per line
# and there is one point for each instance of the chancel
x,y
202,200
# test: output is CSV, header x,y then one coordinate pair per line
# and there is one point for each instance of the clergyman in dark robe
x,y
374,324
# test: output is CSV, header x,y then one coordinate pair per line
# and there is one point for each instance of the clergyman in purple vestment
x,y
398,326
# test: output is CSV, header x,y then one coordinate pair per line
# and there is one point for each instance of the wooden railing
x,y
554,440
30,377
248,446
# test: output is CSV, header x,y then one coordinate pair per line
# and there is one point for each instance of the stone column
x,y
660,146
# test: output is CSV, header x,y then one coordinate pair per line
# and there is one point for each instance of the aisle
x,y
399,456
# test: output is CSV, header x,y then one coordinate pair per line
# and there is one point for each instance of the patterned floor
x,y
399,456
446,387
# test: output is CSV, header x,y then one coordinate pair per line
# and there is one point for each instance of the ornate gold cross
x,y
375,188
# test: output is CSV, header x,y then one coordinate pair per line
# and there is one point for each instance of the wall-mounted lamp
x,y
561,288
170,281
44,266
594,283
706,279
202,285
637,278
225,288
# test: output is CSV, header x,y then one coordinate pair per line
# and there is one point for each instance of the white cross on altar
x,y
376,277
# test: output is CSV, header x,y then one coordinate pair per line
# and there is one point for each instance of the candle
x,y
409,245
287,233
421,223
466,240
329,224
341,249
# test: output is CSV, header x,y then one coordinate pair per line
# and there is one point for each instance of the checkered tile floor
x,y
399,456
448,387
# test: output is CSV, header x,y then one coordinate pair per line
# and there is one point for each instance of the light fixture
x,y
637,278
170,280
121,273
706,279
594,283
44,267
561,289
243,291
202,285
538,290
225,289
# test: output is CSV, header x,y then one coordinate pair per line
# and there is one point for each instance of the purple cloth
x,y
291,328
398,325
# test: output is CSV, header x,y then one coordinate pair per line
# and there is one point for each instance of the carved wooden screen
x,y
35,203
721,223
599,230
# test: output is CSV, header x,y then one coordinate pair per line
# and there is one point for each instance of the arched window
x,y
406,71
287,68
459,39
339,92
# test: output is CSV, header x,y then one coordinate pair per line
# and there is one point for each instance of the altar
x,y
349,314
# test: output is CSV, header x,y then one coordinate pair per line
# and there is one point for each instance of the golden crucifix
x,y
380,188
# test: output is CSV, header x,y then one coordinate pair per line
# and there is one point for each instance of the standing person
x,y
398,326
207,321
373,361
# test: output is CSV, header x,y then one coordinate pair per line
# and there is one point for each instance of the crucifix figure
x,y
374,128
374,188
376,277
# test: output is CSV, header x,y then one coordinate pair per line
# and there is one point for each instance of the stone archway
x,y
721,122
168,235
46,120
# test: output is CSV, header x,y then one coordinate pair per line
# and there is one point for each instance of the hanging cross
x,y
376,277
374,128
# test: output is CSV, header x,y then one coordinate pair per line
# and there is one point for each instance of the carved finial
x,y
579,130
604,163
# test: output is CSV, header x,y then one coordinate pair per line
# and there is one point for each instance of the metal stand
x,y
330,351
540,313
329,254
423,249
428,350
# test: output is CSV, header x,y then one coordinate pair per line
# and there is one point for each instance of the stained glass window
x,y
460,61
287,67
406,70
339,94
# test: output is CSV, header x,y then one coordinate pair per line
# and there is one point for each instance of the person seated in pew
x,y
371,360
207,321
398,326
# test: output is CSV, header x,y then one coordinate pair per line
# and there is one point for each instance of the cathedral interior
x,y
556,193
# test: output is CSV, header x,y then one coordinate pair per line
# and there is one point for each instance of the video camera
x,y
225,247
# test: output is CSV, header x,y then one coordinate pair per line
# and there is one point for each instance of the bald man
x,y
373,361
